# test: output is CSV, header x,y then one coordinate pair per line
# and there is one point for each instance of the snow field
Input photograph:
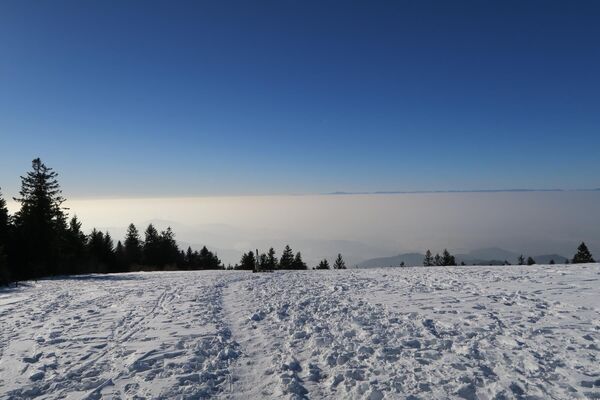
x,y
411,333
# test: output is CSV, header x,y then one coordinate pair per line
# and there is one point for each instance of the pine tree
x,y
132,246
552,262
428,260
4,221
120,258
583,255
271,263
74,255
4,271
324,264
437,260
339,262
151,247
287,258
40,223
248,261
530,261
521,260
168,252
298,263
447,259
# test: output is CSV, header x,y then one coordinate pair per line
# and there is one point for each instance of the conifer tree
x,y
120,258
583,255
521,260
271,262
339,262
447,259
287,258
248,261
437,260
40,223
298,262
74,253
428,260
4,221
132,246
530,261
151,248
324,264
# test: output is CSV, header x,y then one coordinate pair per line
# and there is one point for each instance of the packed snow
x,y
401,333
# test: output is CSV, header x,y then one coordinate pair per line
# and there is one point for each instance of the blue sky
x,y
140,98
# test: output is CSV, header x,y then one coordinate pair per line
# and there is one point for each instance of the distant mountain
x,y
409,259
546,258
486,256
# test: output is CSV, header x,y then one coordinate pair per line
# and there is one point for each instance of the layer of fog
x,y
361,226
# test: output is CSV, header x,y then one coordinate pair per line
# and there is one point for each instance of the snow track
x,y
429,333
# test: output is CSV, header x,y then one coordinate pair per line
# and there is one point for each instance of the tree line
x,y
40,240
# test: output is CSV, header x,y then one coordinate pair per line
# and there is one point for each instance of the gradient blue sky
x,y
140,98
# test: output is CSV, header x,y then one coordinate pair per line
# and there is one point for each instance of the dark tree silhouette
x,y
530,261
271,262
132,246
4,234
324,264
437,260
248,262
298,263
447,259
521,260
40,224
583,255
287,258
339,262
428,260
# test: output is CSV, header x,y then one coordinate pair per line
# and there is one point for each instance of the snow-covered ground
x,y
428,333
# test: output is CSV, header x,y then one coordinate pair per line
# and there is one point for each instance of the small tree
x,y
583,255
437,260
132,246
521,260
530,261
428,260
339,262
447,258
248,262
287,258
271,262
324,264
552,262
298,262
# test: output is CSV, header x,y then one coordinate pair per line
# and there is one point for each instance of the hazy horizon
x,y
361,226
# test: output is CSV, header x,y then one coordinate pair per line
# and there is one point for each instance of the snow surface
x,y
428,333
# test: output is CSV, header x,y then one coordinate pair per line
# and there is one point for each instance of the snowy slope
x,y
485,332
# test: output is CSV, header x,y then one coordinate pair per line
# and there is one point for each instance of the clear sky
x,y
141,98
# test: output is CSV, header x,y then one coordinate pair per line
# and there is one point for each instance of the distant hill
x,y
409,259
486,256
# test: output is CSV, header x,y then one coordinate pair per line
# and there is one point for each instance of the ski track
x,y
411,333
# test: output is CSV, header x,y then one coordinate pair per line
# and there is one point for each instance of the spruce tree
x,y
447,259
298,262
120,258
248,261
324,264
428,260
132,246
521,260
339,262
530,261
271,262
583,255
40,223
287,258
437,260
4,221
151,248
